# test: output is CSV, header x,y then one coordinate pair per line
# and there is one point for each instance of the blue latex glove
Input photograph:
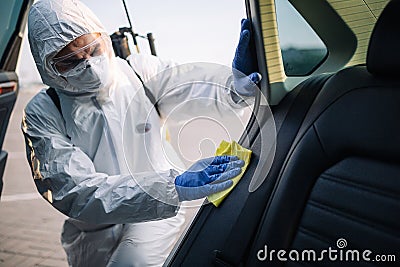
x,y
207,176
245,73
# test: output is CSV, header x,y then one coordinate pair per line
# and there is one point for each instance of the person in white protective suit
x,y
76,152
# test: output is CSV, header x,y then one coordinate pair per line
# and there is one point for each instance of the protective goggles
x,y
77,60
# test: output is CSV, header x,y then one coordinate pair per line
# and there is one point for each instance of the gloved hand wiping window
x,y
207,176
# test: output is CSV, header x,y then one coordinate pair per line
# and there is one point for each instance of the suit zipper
x,y
108,136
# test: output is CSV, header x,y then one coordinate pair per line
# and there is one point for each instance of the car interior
x,y
335,171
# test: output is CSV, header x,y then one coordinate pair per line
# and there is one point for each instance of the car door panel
x,y
13,17
8,96
222,236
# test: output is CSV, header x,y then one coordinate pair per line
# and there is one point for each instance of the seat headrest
x,y
383,58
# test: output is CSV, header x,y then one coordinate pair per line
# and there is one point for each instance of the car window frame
x,y
9,59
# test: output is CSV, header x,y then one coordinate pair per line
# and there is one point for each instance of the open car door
x,y
295,75
13,16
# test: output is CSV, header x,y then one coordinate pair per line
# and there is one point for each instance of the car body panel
x,y
13,17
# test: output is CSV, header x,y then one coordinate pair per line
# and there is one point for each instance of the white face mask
x,y
90,75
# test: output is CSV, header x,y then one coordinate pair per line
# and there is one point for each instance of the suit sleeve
x,y
66,177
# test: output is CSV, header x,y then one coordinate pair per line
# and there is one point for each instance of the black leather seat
x,y
341,179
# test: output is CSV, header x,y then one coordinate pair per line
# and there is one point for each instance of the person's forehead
x,y
78,43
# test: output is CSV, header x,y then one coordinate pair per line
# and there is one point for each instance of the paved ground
x,y
29,227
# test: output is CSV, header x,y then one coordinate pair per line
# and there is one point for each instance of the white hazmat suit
x,y
77,156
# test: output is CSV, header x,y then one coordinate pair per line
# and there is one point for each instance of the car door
x,y
299,44
13,15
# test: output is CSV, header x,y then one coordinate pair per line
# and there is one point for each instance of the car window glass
x,y
302,49
184,32
9,14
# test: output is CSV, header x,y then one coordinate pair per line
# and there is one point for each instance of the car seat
x,y
340,183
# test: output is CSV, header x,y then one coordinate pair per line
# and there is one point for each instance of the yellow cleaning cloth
x,y
234,149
